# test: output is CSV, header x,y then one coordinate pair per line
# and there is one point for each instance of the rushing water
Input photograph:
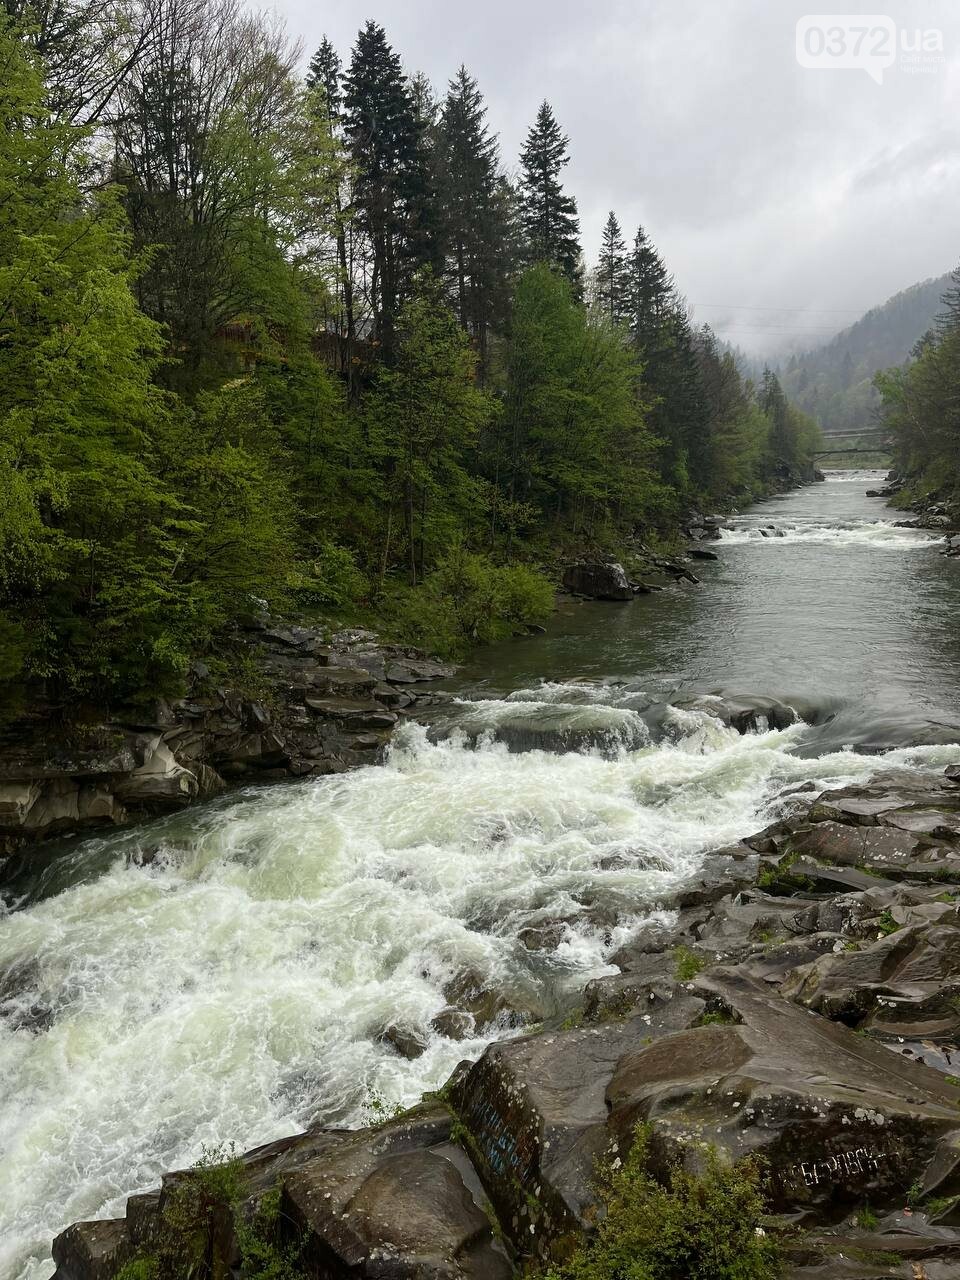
x,y
233,984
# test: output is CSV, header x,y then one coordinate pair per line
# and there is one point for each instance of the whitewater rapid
x,y
224,975
879,533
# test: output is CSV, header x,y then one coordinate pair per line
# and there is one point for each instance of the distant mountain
x,y
833,383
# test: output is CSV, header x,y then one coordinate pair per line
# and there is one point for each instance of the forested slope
x,y
298,340
835,382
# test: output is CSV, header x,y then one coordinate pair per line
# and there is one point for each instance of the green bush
x,y
468,600
201,1213
704,1226
331,578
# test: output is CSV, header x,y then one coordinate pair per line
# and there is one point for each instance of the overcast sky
x,y
785,200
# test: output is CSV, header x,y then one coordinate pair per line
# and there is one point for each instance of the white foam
x,y
234,991
881,534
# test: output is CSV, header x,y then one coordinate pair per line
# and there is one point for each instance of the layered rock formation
x,y
321,706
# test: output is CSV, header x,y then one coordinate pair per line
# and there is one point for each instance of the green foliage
x,y
886,923
920,403
866,1219
467,599
548,215
202,1212
686,963
423,416
287,357
705,1226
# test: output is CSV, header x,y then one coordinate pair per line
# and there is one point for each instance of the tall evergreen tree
x,y
650,293
662,339
549,216
325,73
325,81
386,143
613,273
474,215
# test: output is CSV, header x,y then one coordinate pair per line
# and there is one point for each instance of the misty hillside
x,y
834,382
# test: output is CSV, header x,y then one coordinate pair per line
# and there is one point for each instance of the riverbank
x,y
314,703
797,999
314,698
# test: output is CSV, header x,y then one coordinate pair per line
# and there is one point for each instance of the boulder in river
x,y
599,580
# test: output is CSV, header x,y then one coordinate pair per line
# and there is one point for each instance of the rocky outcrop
x,y
598,581
801,1004
322,704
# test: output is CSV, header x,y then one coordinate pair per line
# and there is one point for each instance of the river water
x,y
235,987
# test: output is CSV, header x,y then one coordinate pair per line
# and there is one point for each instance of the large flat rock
x,y
837,1117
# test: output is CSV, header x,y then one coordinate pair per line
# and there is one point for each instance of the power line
x,y
745,306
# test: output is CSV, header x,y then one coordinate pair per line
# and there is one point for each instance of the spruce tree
x,y
385,140
549,216
613,273
474,215
662,339
325,74
650,293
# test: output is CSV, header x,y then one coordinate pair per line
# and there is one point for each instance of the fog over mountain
x,y
834,381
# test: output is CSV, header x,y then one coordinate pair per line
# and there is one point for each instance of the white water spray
x,y
235,988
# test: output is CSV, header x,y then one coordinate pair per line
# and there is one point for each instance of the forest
x,y
921,406
291,333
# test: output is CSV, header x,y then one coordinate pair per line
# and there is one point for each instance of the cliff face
x,y
323,705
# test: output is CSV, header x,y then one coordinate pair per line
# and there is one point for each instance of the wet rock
x,y
598,581
838,1118
746,713
406,1042
91,1250
473,994
702,553
905,984
391,1206
160,782
455,1024
721,875
413,671
848,1254
536,1116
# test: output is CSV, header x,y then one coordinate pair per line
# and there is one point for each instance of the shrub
x,y
468,600
200,1215
686,963
331,578
704,1226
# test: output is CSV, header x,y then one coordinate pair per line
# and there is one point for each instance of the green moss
x,y
716,1019
886,923
686,963
193,1237
572,1021
706,1226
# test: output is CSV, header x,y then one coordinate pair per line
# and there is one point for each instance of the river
x,y
236,985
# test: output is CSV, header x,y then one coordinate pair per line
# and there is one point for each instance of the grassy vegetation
x,y
706,1226
686,963
202,1219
